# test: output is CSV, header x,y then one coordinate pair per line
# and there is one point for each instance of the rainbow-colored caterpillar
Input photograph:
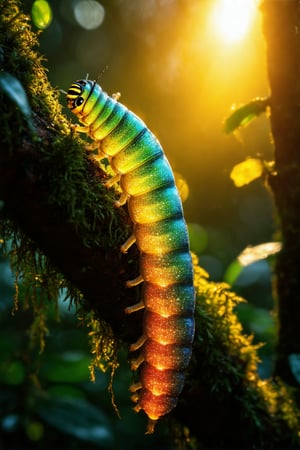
x,y
160,233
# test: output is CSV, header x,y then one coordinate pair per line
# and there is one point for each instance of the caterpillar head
x,y
78,94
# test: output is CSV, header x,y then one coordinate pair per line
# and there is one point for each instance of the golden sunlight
x,y
232,19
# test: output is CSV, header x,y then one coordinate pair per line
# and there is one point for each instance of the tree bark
x,y
281,30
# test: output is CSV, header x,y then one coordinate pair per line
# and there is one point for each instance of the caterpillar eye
x,y
78,101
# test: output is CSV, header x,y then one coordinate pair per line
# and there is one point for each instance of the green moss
x,y
225,364
64,166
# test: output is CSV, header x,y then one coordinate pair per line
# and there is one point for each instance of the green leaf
x,y
12,87
77,417
245,114
41,13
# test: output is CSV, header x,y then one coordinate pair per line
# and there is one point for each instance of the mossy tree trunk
x,y
281,26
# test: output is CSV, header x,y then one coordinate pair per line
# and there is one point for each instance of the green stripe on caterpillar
x,y
160,233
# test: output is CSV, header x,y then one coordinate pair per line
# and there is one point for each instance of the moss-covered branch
x,y
63,230
53,199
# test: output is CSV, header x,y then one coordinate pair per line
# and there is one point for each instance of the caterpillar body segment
x,y
160,233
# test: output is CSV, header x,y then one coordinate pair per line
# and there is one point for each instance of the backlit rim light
x,y
232,19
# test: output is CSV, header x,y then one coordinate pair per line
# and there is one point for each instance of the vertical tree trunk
x,y
281,27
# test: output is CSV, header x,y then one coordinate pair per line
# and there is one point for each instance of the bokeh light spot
x,y
89,14
14,373
41,14
35,431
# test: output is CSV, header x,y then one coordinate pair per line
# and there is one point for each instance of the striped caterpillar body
x,y
160,233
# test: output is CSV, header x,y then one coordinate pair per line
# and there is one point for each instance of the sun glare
x,y
232,18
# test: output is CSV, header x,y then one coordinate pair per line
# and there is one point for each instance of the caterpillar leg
x,y
92,146
135,398
135,387
135,363
95,146
113,180
151,426
123,197
133,308
135,282
138,344
122,200
80,129
130,241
